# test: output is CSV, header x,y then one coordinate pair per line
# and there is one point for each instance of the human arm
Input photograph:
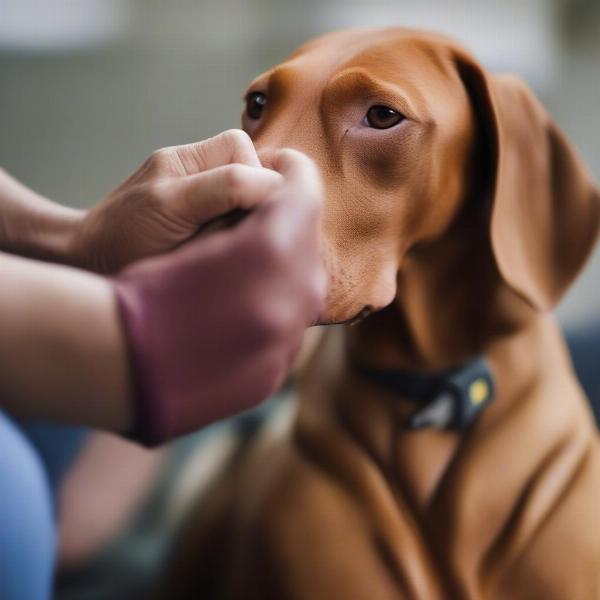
x,y
63,354
201,333
33,226
175,192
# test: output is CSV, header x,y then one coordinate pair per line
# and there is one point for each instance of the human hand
x,y
165,202
213,327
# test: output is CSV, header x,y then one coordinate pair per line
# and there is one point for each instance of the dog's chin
x,y
362,314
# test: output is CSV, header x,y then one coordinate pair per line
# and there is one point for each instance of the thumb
x,y
291,215
298,169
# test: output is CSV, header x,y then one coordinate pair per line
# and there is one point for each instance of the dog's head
x,y
409,132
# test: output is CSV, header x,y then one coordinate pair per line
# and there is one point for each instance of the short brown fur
x,y
460,227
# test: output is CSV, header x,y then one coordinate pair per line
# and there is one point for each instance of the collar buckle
x,y
460,397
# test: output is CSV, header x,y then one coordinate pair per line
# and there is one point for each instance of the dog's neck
x,y
451,304
447,311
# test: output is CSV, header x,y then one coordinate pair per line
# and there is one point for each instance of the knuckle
x,y
161,157
296,160
153,193
305,161
201,153
234,175
237,138
235,178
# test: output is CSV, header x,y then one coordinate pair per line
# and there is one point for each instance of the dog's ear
x,y
545,213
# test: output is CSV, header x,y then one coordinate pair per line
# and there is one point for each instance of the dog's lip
x,y
363,313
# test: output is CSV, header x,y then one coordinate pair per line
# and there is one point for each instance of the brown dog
x,y
456,206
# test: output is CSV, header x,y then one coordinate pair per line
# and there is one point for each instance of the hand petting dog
x,y
189,328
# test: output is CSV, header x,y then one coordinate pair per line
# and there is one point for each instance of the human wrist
x,y
64,350
35,227
48,235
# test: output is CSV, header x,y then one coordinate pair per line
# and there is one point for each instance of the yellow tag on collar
x,y
479,391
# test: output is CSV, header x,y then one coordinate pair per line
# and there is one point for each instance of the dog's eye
x,y
255,102
382,117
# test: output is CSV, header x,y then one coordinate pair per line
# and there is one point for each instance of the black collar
x,y
446,399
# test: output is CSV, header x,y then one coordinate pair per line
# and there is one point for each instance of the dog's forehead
x,y
422,61
418,69
384,51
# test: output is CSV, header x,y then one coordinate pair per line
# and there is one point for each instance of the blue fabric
x,y
56,445
27,533
584,344
33,458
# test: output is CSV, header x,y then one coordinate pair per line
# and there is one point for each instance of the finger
x,y
297,203
200,198
298,169
232,146
289,226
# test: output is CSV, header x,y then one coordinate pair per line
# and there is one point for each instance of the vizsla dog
x,y
456,216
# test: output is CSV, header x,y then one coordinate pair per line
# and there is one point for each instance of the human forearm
x,y
33,226
62,353
211,327
161,205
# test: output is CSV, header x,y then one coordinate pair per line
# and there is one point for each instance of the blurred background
x,y
88,88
